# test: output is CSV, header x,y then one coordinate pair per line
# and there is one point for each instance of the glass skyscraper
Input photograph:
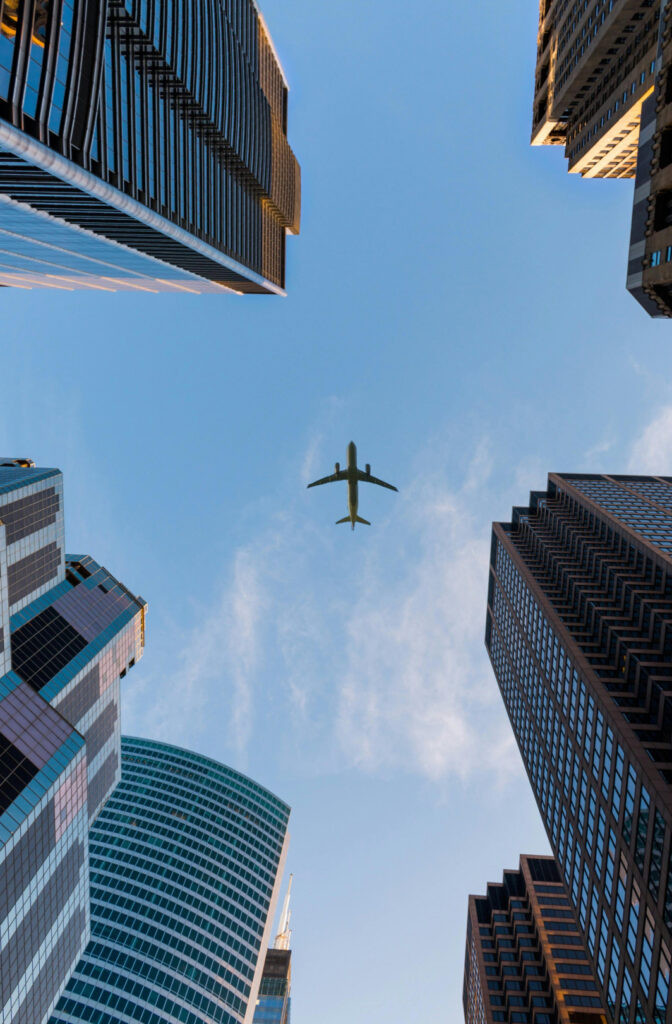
x,y
186,859
524,960
579,632
69,631
143,146
274,1001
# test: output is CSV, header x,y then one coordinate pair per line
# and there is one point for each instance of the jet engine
x,y
368,469
338,467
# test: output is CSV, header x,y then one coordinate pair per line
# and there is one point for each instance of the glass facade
x,y
525,962
274,1003
579,632
186,858
151,139
68,632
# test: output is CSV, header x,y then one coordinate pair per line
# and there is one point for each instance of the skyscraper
x,y
68,632
524,961
601,92
579,632
186,859
274,1000
143,145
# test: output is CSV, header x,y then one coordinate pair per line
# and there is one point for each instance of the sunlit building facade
x,y
579,632
524,961
143,146
186,859
603,88
69,631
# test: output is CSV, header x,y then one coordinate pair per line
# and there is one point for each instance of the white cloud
x,y
364,652
651,452
593,453
418,690
217,660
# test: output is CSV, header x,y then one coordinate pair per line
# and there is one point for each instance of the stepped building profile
x,y
69,632
143,146
603,91
524,961
579,633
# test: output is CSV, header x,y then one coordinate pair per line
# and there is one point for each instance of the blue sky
x,y
457,307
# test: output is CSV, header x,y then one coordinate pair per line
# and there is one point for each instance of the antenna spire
x,y
284,936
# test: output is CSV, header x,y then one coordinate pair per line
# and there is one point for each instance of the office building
x,y
274,1000
602,88
143,146
186,859
650,259
525,960
68,632
579,632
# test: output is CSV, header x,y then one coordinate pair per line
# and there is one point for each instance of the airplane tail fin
x,y
358,519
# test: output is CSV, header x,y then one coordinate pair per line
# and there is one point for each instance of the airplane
x,y
352,475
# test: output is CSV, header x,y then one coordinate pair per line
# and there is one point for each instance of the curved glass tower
x,y
186,859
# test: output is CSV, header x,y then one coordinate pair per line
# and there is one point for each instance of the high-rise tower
x,y
186,859
274,1001
579,632
68,632
524,961
143,145
602,91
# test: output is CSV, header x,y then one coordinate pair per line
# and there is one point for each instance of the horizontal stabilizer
x,y
345,520
360,520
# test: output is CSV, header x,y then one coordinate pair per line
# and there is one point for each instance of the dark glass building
x,y
579,632
143,145
274,1001
68,632
603,91
186,859
525,962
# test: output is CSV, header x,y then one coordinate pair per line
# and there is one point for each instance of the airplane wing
x,y
342,475
374,480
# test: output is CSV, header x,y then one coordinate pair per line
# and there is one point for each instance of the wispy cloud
x,y
651,452
417,686
372,660
210,677
594,452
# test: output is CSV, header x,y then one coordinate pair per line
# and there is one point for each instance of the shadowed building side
x,y
579,633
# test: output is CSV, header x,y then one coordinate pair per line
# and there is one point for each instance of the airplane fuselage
x,y
352,475
353,490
